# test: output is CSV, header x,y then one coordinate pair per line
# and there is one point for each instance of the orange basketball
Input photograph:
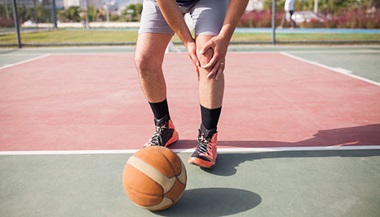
x,y
154,178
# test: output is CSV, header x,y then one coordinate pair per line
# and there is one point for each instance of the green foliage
x,y
326,6
339,14
92,14
72,14
38,14
135,15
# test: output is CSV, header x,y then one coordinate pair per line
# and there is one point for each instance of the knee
x,y
205,57
145,63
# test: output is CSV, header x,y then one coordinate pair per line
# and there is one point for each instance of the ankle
x,y
207,133
162,121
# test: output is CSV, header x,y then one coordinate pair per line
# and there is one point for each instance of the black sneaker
x,y
206,152
165,134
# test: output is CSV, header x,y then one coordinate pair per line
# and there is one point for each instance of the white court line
x,y
220,150
24,61
331,68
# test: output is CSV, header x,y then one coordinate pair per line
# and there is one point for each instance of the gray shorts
x,y
207,17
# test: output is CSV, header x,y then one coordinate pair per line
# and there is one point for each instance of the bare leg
x,y
210,90
283,20
149,55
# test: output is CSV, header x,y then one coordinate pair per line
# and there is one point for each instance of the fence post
x,y
54,8
17,24
273,22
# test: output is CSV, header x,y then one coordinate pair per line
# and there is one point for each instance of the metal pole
x,y
54,8
87,15
315,6
35,13
6,8
273,22
15,14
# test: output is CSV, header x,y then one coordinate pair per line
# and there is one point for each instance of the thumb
x,y
206,46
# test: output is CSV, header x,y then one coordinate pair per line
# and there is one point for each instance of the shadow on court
x,y
213,202
368,135
233,201
359,136
228,163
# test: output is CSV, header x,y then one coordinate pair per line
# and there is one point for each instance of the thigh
x,y
152,20
208,16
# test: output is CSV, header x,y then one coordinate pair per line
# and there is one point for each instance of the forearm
x,y
235,10
174,18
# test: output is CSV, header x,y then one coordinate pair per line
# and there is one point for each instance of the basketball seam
x,y
159,206
140,192
168,161
135,162
163,189
183,169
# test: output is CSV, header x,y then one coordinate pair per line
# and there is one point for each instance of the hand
x,y
192,51
217,63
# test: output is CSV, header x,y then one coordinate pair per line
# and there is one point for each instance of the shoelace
x,y
156,139
203,144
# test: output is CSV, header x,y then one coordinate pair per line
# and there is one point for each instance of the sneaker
x,y
205,153
165,134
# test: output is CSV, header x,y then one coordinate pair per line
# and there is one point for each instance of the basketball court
x,y
299,133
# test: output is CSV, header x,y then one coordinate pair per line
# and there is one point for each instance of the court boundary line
x,y
25,61
220,150
330,68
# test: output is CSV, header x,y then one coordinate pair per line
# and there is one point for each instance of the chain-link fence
x,y
45,15
56,13
29,12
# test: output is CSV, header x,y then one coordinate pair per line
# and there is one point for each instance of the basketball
x,y
154,178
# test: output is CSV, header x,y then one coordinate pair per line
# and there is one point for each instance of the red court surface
x,y
94,102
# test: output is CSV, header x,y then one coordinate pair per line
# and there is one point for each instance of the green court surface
x,y
301,183
341,179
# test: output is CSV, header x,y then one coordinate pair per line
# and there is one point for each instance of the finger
x,y
206,46
216,70
196,63
212,62
197,72
195,60
213,71
220,71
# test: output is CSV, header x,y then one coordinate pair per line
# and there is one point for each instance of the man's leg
x,y
292,22
211,91
283,19
211,97
149,55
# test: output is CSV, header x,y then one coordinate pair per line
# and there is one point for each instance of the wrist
x,y
226,33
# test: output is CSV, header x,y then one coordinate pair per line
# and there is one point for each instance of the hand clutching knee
x,y
216,64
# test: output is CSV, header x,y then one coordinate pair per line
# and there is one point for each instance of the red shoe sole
x,y
201,163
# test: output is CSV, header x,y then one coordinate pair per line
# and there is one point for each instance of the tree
x,y
72,14
92,13
136,10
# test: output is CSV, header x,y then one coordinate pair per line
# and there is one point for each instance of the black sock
x,y
210,117
160,109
